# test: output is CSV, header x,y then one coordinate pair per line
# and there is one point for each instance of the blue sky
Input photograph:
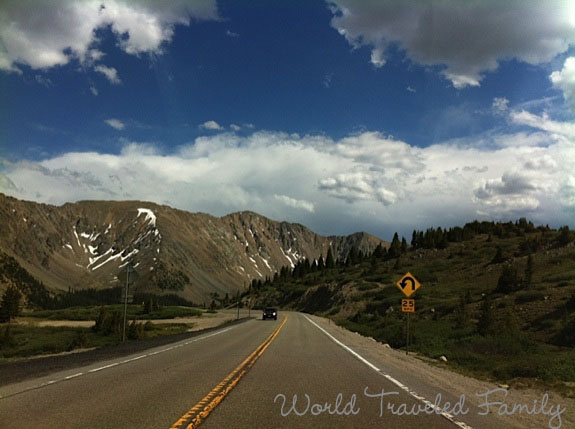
x,y
345,115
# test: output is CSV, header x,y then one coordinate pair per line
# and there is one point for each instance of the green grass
x,y
134,312
463,269
27,340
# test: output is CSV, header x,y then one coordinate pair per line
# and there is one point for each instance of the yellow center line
x,y
200,411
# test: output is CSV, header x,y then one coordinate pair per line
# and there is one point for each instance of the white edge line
x,y
402,386
104,367
69,377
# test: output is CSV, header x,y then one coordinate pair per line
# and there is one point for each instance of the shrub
x,y
566,336
80,340
529,296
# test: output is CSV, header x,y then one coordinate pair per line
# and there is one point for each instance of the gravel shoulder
x,y
441,378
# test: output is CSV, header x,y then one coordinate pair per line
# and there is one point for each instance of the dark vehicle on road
x,y
270,313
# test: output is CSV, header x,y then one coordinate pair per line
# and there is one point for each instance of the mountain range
x,y
88,244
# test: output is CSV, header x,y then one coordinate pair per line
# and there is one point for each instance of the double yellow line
x,y
199,412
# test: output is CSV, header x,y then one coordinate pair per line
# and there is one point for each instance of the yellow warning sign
x,y
408,284
408,305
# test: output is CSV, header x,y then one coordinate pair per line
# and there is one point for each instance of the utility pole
x,y
249,299
126,302
238,296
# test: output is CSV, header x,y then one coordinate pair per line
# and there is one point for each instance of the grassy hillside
x,y
480,305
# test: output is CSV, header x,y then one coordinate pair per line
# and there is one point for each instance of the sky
x,y
342,115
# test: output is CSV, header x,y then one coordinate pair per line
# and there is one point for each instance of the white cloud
x,y
564,80
410,89
500,105
115,123
367,181
543,122
467,38
235,127
211,125
297,204
94,90
44,34
110,72
230,33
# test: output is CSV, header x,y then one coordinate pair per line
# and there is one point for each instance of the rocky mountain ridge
x,y
89,243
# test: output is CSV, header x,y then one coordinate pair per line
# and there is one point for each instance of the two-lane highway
x,y
247,374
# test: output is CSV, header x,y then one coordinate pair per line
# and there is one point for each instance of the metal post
x,y
238,316
249,300
126,303
407,346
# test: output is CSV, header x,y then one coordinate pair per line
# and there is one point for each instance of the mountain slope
x,y
87,244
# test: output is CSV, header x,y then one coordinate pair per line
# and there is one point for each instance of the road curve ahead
x,y
269,374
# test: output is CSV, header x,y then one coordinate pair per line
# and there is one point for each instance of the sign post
x,y
408,284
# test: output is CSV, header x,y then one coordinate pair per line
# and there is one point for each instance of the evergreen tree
x,y
320,263
352,257
461,313
508,280
403,248
379,251
10,304
486,324
563,238
395,248
498,258
329,261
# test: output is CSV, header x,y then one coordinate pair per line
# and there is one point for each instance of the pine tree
x,y
563,238
498,258
329,261
395,248
403,246
379,251
486,322
508,281
414,243
10,304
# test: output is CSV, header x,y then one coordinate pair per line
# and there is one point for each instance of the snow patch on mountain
x,y
150,216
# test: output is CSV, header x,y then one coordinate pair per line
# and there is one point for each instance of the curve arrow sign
x,y
408,284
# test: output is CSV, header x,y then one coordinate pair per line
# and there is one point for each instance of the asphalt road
x,y
157,387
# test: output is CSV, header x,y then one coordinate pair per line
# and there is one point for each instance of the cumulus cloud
x,y
564,80
467,38
211,125
43,34
235,127
115,123
367,181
